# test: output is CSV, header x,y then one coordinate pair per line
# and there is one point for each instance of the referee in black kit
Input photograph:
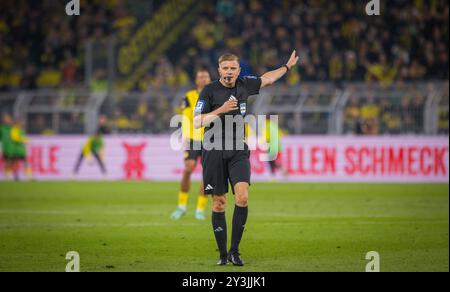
x,y
224,99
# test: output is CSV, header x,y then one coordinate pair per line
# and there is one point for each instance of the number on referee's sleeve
x,y
199,107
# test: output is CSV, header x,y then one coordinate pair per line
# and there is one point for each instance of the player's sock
x,y
182,206
239,219
220,231
182,200
201,203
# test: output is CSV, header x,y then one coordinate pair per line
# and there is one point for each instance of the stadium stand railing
x,y
311,108
59,112
359,108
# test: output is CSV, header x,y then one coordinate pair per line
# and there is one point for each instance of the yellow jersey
x,y
188,106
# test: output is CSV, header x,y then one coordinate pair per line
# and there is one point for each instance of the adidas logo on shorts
x,y
208,187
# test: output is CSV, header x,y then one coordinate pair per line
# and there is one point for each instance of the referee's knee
x,y
189,167
241,200
219,204
241,194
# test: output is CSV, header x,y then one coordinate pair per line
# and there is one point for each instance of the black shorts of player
x,y
6,157
193,150
273,165
223,166
18,158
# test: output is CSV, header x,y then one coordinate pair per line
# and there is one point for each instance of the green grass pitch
x,y
125,226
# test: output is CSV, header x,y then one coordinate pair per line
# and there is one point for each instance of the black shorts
x,y
6,157
18,157
190,153
223,166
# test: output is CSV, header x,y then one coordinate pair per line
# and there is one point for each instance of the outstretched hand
x,y
271,77
292,60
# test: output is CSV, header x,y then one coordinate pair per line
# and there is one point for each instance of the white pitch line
x,y
159,224
163,214
86,225
73,212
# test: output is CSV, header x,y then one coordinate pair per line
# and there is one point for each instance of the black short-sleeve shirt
x,y
214,95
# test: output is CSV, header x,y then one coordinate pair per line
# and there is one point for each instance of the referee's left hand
x,y
228,106
292,60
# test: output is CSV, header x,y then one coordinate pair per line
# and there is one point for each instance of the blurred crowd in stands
x,y
42,47
336,39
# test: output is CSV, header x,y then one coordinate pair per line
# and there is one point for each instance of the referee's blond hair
x,y
228,57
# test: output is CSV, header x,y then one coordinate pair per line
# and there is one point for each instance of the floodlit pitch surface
x,y
125,226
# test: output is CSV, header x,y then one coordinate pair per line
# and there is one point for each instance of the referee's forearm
x,y
206,119
271,77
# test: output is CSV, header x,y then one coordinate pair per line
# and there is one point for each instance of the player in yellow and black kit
x,y
193,150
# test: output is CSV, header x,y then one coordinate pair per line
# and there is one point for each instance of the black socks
x,y
239,220
220,231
